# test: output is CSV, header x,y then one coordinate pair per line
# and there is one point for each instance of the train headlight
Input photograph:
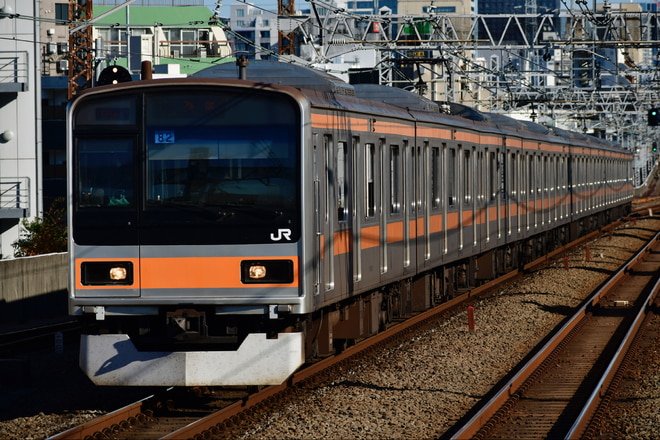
x,y
106,273
267,271
257,271
118,273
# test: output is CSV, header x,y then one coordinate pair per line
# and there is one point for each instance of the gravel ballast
x,y
421,388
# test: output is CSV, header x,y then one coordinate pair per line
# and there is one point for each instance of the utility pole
x,y
81,56
286,44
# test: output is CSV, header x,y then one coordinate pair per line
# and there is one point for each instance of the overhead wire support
x,y
81,56
81,44
559,57
286,35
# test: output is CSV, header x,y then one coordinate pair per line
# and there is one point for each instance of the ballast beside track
x,y
555,394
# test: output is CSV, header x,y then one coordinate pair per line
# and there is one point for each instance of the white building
x,y
20,119
259,29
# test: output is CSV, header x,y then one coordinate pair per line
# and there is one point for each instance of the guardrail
x,y
14,71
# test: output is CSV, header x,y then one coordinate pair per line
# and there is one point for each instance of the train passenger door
x,y
412,204
482,218
513,193
466,213
421,184
451,205
326,211
367,202
383,207
317,193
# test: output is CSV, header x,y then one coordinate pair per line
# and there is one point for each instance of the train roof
x,y
462,110
301,77
318,83
284,74
395,96
294,75
503,120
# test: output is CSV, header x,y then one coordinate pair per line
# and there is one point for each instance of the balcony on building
x,y
14,70
14,197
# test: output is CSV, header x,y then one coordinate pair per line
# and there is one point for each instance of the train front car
x,y
186,225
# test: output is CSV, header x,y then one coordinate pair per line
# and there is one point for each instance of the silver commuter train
x,y
224,231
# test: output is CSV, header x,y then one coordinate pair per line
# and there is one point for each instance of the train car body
x,y
223,231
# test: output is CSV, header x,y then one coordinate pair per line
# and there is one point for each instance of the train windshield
x,y
206,167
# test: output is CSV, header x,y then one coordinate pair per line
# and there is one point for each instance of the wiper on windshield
x,y
222,211
226,212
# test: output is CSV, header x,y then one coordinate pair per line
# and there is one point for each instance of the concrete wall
x,y
33,288
647,188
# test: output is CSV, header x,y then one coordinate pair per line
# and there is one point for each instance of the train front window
x,y
105,173
238,171
226,161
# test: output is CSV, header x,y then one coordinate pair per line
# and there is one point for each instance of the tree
x,y
44,235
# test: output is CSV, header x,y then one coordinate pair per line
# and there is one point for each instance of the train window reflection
x,y
237,170
105,173
222,158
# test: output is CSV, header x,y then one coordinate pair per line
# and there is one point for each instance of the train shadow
x,y
562,310
371,386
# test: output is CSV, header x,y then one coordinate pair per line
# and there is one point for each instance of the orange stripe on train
x,y
190,272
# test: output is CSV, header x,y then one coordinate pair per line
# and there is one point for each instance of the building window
x,y
114,41
240,12
183,42
439,9
62,13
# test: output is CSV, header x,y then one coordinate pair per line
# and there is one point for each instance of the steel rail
x,y
483,416
118,417
582,422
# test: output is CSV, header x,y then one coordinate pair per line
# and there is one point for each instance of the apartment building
x,y
20,117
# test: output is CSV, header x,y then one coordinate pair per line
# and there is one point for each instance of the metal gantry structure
x,y
587,70
590,70
81,54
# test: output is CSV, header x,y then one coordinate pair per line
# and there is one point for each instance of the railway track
x,y
141,420
556,393
167,416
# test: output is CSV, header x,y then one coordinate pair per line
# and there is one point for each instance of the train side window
x,y
540,174
435,177
369,190
530,183
511,171
342,163
395,179
467,176
493,173
327,149
451,177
